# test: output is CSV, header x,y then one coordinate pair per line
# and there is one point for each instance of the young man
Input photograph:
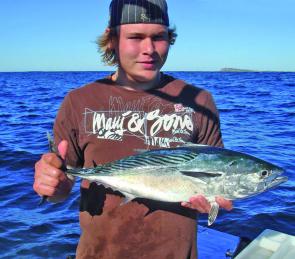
x,y
137,107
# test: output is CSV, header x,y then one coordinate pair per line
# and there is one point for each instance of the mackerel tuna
x,y
176,174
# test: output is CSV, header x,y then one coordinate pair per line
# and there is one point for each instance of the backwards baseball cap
x,y
138,11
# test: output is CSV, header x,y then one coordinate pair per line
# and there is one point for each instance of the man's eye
x,y
134,38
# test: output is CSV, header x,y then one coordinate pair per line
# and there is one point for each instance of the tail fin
x,y
53,150
51,144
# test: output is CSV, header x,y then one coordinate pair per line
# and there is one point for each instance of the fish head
x,y
268,177
261,177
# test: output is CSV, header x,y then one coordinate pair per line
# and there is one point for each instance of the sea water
x,y
257,112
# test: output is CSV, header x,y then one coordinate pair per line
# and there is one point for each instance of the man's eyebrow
x,y
135,33
143,34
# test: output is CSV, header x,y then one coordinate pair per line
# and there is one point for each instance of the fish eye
x,y
264,173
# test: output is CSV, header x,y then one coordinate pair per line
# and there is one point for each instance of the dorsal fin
x,y
140,151
190,144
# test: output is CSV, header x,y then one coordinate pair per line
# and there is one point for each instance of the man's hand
x,y
50,180
200,203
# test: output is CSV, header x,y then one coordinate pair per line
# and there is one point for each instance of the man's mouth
x,y
148,64
148,61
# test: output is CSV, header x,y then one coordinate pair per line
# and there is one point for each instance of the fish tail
x,y
52,149
51,144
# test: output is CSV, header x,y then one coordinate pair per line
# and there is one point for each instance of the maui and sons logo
x,y
155,128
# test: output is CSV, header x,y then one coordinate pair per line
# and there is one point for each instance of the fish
x,y
177,174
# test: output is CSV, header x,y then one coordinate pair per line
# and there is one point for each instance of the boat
x,y
270,244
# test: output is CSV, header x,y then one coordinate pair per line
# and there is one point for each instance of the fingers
x,y
63,148
51,159
48,176
223,203
43,189
199,203
47,190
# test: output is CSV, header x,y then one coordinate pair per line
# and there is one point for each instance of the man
x,y
137,107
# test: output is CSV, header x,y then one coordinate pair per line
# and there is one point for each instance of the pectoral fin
x,y
213,213
200,174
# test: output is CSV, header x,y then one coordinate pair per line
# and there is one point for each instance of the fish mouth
x,y
278,180
271,181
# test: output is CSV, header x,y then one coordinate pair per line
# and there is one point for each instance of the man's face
x,y
142,50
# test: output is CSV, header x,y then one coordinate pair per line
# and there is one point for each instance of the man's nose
x,y
148,46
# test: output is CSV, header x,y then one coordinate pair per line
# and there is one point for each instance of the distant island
x,y
229,69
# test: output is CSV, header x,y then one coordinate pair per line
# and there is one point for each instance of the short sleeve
x,y
65,128
208,122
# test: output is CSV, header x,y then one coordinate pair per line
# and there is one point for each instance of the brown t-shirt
x,y
104,122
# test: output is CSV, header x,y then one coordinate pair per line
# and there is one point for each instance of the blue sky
x,y
59,35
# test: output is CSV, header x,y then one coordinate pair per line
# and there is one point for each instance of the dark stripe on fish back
x,y
148,159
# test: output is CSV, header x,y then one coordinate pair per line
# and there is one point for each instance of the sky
x,y
59,35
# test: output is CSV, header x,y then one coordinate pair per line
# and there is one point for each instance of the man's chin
x,y
148,76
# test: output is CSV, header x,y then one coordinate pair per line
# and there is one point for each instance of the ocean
x,y
257,113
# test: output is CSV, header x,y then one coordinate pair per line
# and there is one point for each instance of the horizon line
x,y
73,71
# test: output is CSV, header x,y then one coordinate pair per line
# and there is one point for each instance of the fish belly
x,y
166,187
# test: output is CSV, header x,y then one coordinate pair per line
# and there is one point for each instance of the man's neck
x,y
120,78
